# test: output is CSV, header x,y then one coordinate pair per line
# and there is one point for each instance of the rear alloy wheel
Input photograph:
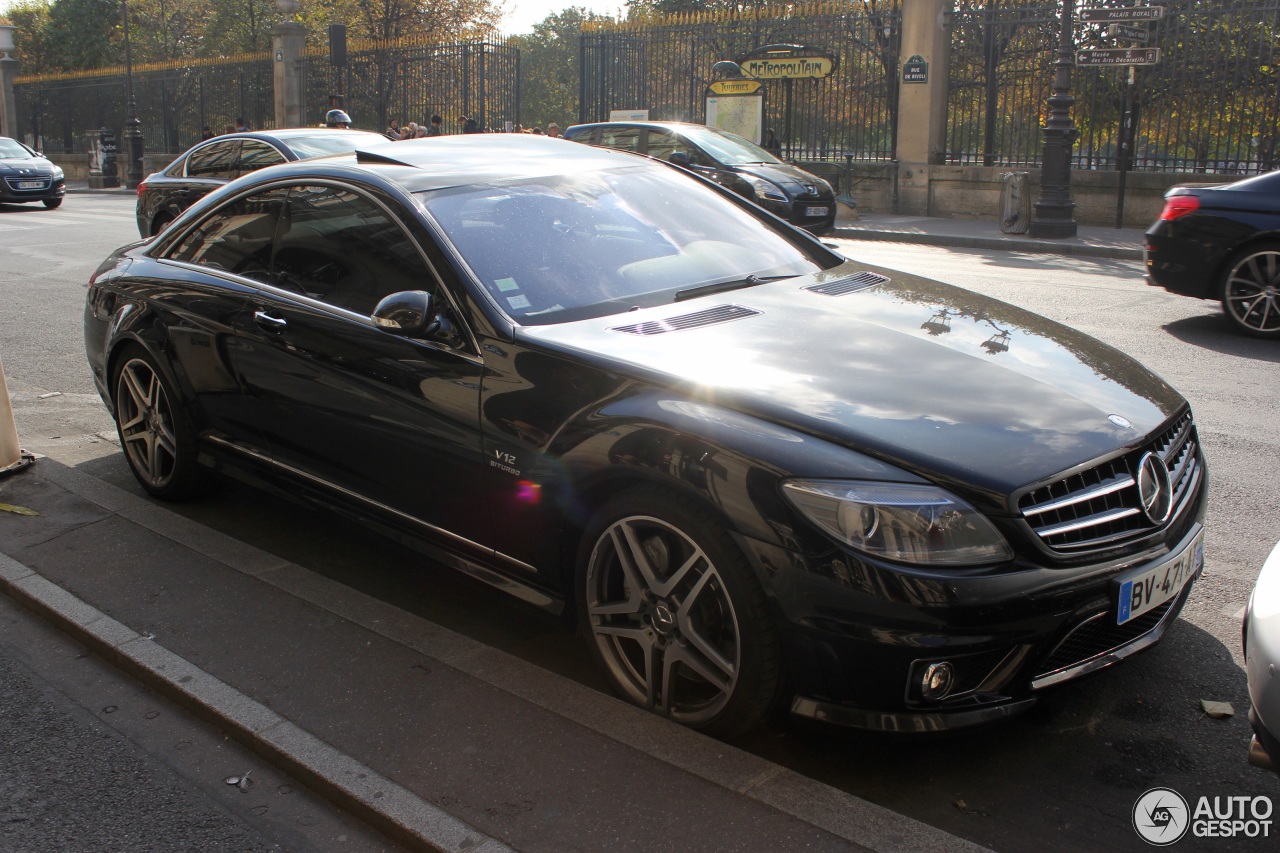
x,y
158,442
673,613
1251,291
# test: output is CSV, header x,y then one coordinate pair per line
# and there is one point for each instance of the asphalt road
x,y
1063,777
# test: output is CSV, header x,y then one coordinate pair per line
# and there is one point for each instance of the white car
x,y
1262,664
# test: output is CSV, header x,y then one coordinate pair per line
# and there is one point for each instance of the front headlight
x,y
905,522
57,173
766,189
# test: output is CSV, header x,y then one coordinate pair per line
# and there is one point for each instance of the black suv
x,y
801,198
210,164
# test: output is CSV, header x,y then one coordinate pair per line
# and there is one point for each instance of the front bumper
x,y
49,188
857,655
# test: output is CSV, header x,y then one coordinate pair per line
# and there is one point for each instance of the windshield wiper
x,y
721,286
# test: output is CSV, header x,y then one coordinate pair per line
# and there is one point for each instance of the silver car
x,y
1262,664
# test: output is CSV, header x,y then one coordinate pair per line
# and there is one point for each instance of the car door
x,y
256,154
370,415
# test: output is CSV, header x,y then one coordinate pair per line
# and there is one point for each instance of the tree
x,y
31,17
82,34
549,67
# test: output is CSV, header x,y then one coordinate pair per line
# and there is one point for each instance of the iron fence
x,y
411,80
175,103
665,67
1211,104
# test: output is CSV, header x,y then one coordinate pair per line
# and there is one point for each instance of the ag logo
x,y
1161,817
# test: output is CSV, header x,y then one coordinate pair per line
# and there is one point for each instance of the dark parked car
x,y
210,164
1261,661
757,472
26,176
1222,242
784,190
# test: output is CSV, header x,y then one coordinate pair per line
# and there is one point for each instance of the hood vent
x,y
696,320
852,284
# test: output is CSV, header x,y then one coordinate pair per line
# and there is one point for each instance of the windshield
x,y
307,147
568,247
11,149
729,148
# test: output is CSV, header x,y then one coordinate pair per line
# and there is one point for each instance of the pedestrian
x,y
469,125
771,143
207,133
337,118
436,128
393,130
241,127
553,129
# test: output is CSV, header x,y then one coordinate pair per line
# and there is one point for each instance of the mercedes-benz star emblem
x,y
1154,489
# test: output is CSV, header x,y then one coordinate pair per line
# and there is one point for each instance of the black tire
x,y
157,438
1251,291
663,589
52,203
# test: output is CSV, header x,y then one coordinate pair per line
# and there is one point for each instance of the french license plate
x,y
30,185
816,211
1146,589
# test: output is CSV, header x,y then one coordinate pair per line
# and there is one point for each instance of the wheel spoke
x,y
690,631
720,679
648,651
631,558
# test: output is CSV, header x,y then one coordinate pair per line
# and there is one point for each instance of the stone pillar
x,y
8,70
288,38
922,99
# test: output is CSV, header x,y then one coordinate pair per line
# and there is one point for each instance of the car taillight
x,y
142,188
1179,205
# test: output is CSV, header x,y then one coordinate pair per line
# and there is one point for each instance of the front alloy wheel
x,y
680,627
1251,292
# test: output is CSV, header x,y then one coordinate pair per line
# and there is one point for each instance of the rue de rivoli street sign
x,y
1141,35
1119,56
1126,13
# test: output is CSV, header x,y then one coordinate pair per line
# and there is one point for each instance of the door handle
x,y
272,324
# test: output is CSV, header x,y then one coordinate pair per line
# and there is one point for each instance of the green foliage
x,y
82,34
549,68
31,17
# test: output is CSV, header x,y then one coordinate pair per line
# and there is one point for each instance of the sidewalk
x,y
472,749
1091,240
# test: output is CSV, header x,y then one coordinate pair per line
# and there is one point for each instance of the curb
x,y
1014,244
389,808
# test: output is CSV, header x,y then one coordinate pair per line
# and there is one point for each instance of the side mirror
x,y
407,313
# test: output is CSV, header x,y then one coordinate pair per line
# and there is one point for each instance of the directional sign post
x,y
1138,35
1093,57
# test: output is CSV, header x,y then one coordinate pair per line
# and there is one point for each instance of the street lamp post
x,y
133,126
1054,208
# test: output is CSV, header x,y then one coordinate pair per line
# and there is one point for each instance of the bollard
x,y
12,457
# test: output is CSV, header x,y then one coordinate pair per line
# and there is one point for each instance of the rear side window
x,y
237,238
256,155
215,160
625,138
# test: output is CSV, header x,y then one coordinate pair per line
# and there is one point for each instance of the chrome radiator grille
x,y
1102,505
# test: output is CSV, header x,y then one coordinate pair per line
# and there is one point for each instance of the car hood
x,y
36,165
786,176
936,379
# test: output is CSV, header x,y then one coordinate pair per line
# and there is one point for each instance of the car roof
x,y
284,134
668,125
451,161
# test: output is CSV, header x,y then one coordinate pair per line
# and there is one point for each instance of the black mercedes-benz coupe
x,y
756,473
1222,242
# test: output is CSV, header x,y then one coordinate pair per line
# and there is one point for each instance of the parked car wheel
x,y
1251,291
52,203
158,441
671,609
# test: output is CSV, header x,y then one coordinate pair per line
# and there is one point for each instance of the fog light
x,y
938,680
